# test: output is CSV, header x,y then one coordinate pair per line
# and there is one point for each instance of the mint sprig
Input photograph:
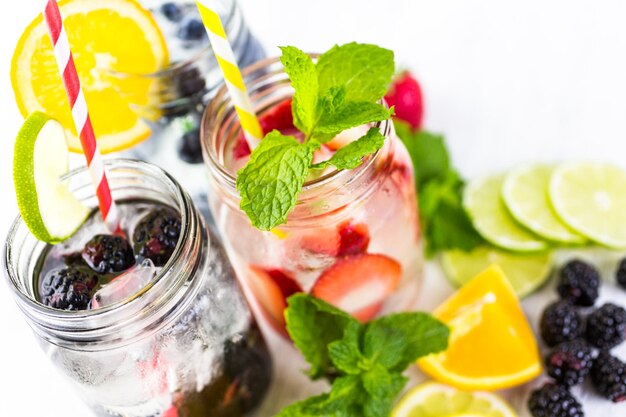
x,y
364,362
341,91
445,223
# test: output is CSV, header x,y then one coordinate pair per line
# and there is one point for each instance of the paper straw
x,y
232,75
80,114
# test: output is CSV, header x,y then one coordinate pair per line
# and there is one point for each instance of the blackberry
x,y
621,273
554,401
191,29
606,327
608,375
579,283
108,254
560,322
68,288
569,363
189,147
156,235
172,11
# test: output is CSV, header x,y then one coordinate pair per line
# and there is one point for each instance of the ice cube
x,y
125,286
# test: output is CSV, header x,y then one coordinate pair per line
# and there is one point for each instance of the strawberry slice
x,y
278,117
359,283
406,95
272,288
354,238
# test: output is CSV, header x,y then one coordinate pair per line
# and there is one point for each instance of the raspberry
x,y
156,235
68,288
621,273
606,327
579,283
608,375
569,363
560,323
108,254
554,401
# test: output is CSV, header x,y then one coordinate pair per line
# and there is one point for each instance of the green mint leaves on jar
x,y
341,91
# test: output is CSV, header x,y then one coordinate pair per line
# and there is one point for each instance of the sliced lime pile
x,y
591,199
525,272
525,193
483,202
41,157
437,400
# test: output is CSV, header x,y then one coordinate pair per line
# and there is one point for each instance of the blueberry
x,y
172,11
189,82
189,147
191,29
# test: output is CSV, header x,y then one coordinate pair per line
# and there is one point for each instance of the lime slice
x,y
484,204
525,272
41,156
525,193
591,199
432,399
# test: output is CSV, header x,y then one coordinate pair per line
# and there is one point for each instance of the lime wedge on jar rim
x,y
483,202
40,158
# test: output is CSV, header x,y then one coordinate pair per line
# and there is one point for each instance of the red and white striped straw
x,y
80,114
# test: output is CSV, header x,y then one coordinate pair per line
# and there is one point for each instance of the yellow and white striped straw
x,y
232,75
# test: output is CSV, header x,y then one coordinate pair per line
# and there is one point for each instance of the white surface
x,y
507,82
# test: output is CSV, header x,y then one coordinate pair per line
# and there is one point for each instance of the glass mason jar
x,y
186,345
353,238
180,92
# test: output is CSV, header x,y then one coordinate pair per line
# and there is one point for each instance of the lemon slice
x,y
48,208
107,38
437,400
491,344
491,219
525,272
591,199
525,193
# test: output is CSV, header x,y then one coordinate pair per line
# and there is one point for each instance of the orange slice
x,y
491,343
107,38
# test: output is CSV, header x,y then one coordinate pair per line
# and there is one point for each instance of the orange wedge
x,y
491,343
107,38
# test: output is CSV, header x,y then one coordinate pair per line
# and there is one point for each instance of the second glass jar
x,y
353,238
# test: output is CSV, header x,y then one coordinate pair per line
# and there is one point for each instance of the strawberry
x,y
272,288
170,412
354,238
406,95
359,283
279,118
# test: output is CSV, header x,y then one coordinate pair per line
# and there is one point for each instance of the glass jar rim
x,y
213,160
164,280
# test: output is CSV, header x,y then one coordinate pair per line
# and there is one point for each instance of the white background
x,y
507,82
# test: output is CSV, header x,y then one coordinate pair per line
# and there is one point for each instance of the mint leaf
x,y
270,182
423,334
301,71
428,153
444,222
364,70
382,387
346,356
313,325
383,344
344,392
351,155
351,114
